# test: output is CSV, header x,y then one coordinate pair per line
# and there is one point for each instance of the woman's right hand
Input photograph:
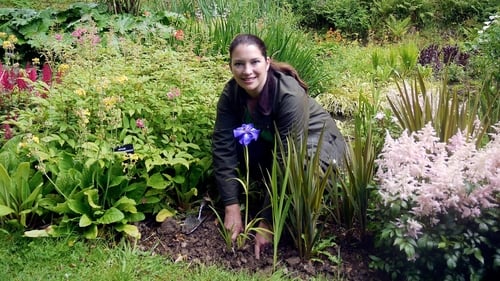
x,y
232,220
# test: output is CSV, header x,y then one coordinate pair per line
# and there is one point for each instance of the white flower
x,y
380,116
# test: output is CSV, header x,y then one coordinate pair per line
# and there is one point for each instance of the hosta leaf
x,y
163,215
36,233
111,215
77,206
92,197
126,204
84,221
157,181
117,181
130,230
91,232
136,217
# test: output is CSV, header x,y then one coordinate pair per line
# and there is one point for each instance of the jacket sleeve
x,y
225,159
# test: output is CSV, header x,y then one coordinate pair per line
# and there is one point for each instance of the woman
x,y
273,98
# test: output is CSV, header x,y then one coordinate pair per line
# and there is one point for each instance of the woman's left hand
x,y
262,239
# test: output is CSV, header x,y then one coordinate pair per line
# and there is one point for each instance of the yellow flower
x,y
109,102
13,38
7,45
36,61
3,35
121,79
63,68
81,92
35,139
83,114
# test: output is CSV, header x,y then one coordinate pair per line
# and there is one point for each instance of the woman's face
x,y
249,68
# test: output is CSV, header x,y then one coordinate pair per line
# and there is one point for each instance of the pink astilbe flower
x,y
139,123
429,179
174,92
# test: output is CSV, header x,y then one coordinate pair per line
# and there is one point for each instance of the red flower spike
x,y
46,74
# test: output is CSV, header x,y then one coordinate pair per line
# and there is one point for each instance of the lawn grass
x,y
73,259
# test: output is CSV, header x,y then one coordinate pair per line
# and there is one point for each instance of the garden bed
x,y
205,246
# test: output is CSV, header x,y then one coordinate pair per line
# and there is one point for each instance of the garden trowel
x,y
191,223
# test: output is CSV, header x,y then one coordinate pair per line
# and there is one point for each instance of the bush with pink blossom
x,y
440,206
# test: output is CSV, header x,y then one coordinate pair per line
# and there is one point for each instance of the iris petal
x,y
246,133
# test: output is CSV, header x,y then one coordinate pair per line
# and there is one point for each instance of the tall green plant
x,y
448,112
360,165
280,201
351,185
307,183
398,28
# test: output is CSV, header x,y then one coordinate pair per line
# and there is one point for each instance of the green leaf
x,y
157,181
36,233
179,179
130,230
77,206
478,255
163,215
91,232
136,217
84,221
451,262
126,204
92,197
4,210
111,215
117,181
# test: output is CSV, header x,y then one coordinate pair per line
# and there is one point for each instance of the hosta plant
x,y
21,188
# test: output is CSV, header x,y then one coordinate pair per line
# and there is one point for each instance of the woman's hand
x,y
262,239
232,220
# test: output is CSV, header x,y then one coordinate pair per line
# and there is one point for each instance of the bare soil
x,y
205,246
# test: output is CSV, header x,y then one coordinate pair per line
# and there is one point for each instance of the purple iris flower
x,y
246,133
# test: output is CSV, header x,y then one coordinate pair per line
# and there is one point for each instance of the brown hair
x,y
250,39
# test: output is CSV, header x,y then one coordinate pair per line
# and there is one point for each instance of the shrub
x,y
419,11
438,206
349,17
450,13
487,44
114,95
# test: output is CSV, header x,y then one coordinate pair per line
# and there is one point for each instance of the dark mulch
x,y
206,246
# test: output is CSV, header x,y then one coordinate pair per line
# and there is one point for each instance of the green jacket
x,y
282,102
